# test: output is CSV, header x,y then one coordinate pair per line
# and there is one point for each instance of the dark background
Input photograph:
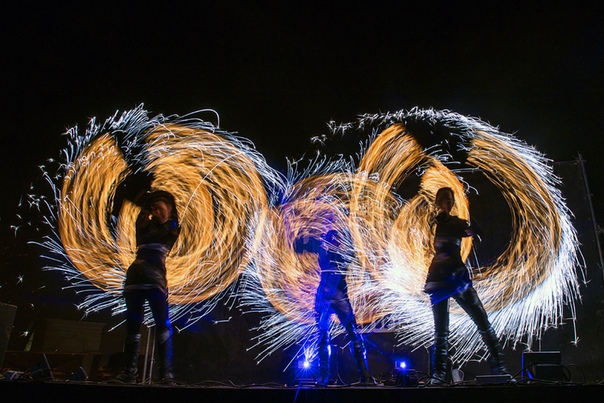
x,y
277,72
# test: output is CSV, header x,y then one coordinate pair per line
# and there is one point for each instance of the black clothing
x,y
146,280
332,293
332,297
153,241
449,277
447,274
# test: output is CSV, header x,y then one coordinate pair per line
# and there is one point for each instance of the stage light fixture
x,y
404,374
306,372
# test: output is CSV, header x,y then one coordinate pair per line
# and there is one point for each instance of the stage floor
x,y
28,390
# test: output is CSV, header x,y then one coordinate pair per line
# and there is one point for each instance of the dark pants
x,y
158,302
469,301
135,303
340,305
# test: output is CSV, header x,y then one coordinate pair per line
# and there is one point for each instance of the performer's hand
x,y
132,189
475,230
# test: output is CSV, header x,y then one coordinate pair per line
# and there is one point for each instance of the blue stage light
x,y
304,364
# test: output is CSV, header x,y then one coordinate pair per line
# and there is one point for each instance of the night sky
x,y
277,72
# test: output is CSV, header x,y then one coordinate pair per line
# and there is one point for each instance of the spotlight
x,y
305,373
400,365
304,364
403,373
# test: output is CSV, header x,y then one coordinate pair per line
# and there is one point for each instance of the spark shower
x,y
240,217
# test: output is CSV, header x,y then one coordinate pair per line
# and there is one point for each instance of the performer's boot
x,y
440,357
324,370
360,358
164,357
496,359
131,349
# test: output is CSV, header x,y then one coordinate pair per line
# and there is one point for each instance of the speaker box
x,y
543,365
7,317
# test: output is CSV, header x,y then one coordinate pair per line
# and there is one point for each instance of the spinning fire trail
x,y
524,289
240,219
220,185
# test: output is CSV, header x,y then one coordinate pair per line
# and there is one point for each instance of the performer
x,y
157,229
332,297
449,277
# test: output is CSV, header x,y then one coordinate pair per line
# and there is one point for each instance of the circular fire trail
x,y
221,187
240,220
524,287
